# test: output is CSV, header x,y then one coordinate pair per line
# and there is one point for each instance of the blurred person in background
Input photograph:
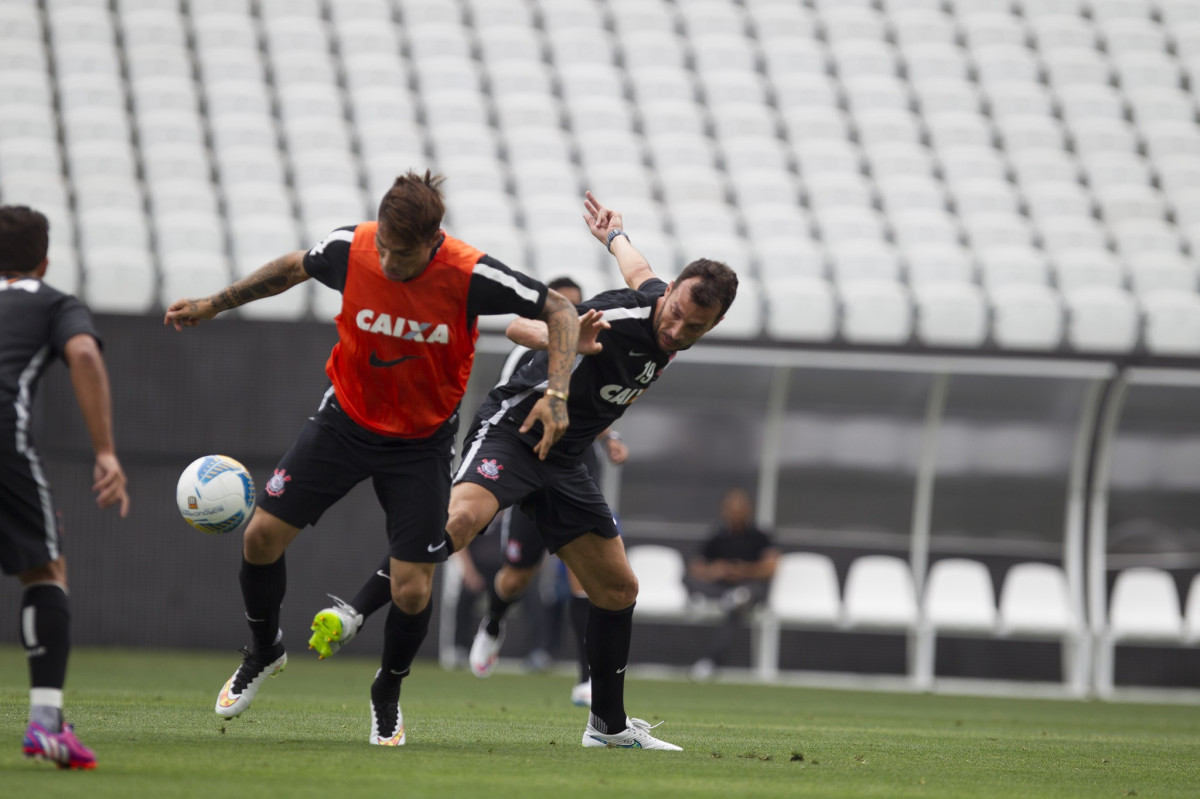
x,y
734,567
38,324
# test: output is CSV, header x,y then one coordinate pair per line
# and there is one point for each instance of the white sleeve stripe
x,y
506,280
612,314
337,235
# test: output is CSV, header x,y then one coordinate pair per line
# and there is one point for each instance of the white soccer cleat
x,y
240,689
334,627
581,694
387,725
485,650
636,735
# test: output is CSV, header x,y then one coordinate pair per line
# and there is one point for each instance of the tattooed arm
x,y
274,278
562,323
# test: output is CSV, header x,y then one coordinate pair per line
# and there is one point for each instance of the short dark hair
x,y
24,238
716,283
413,207
564,283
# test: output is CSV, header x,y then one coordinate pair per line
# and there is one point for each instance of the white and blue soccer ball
x,y
215,494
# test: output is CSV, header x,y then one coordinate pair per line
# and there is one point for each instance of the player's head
x,y
24,239
736,509
694,303
410,217
568,288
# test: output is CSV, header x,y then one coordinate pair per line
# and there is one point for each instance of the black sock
x,y
607,641
263,588
376,592
497,607
46,634
577,610
403,635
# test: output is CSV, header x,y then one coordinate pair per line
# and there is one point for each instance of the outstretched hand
x,y
600,220
590,325
189,313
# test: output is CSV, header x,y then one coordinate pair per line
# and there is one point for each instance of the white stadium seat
x,y
875,312
1172,322
1026,317
880,593
1101,319
950,315
959,596
801,309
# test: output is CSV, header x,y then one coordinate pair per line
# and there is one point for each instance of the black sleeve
x,y
654,286
71,318
496,289
328,261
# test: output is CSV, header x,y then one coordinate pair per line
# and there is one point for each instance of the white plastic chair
x,y
950,314
1026,317
660,571
1172,324
1101,319
880,593
801,309
875,312
959,596
805,590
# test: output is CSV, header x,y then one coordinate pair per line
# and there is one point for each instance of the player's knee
x,y
260,545
512,582
619,594
412,595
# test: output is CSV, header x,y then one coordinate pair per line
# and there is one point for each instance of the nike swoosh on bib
x,y
375,360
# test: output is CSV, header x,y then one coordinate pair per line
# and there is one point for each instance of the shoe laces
x,y
343,605
386,717
642,725
251,667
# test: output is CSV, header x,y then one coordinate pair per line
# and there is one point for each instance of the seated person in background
x,y
735,566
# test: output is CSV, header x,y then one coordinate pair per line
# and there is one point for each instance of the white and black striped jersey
x,y
602,386
499,290
36,321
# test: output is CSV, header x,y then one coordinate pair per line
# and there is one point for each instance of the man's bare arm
x,y
603,221
274,278
535,334
562,329
89,378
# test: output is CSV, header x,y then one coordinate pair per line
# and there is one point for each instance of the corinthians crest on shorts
x,y
489,469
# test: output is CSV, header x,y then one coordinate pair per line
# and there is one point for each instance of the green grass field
x,y
149,717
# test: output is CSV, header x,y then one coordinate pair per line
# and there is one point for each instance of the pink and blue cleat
x,y
60,748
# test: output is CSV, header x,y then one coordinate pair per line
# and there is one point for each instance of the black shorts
x,y
333,454
30,527
563,502
521,544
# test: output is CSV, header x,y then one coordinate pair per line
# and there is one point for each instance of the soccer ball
x,y
215,494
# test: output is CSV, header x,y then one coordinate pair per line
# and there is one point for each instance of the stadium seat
x,y
933,262
801,309
1086,266
959,596
950,315
880,593
1172,322
660,572
119,279
1144,606
1191,614
781,255
1026,317
744,319
805,590
1101,319
1001,266
875,312
1035,600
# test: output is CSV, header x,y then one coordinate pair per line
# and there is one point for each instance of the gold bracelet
x,y
553,392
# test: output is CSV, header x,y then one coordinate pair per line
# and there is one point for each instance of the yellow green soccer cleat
x,y
334,627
